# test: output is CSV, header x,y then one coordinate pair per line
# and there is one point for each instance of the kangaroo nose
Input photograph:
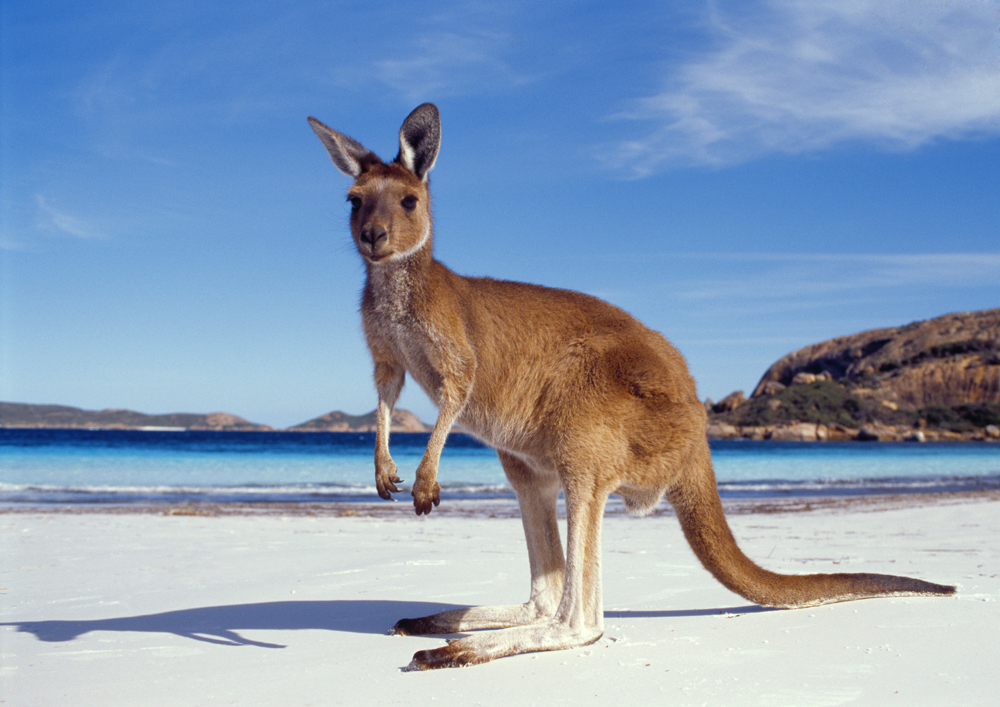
x,y
373,235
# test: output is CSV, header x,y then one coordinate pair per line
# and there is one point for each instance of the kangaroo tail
x,y
696,501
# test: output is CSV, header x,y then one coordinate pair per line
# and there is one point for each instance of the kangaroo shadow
x,y
221,624
681,613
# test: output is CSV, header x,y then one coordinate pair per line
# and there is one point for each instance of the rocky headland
x,y
937,379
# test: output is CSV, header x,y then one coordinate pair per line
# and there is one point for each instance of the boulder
x,y
768,388
798,432
868,434
720,430
730,402
839,433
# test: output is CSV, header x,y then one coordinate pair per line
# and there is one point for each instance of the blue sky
x,y
746,177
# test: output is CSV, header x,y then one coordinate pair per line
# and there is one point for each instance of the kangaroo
x,y
573,393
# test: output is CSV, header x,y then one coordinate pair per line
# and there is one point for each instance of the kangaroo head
x,y
390,203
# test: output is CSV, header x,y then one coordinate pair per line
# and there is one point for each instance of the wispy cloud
x,y
794,277
52,220
738,284
449,62
460,48
794,76
6,243
226,70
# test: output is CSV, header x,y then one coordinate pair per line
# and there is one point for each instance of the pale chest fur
x,y
393,327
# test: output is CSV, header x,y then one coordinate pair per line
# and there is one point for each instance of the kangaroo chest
x,y
393,328
409,345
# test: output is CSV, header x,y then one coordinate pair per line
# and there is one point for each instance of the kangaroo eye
x,y
355,203
409,203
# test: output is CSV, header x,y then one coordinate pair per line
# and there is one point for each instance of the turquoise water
x,y
83,466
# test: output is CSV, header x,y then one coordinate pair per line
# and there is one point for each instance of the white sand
x,y
108,609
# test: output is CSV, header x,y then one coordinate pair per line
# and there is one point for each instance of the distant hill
x,y
62,416
65,417
337,421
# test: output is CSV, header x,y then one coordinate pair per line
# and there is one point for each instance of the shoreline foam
x,y
506,508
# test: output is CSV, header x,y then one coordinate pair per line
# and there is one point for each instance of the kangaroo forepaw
x,y
425,497
386,480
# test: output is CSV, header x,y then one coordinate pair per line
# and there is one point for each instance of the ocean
x,y
42,467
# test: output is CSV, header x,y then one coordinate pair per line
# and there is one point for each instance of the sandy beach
x,y
202,606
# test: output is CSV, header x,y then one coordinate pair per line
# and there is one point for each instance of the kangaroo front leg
x,y
579,619
389,377
426,490
453,392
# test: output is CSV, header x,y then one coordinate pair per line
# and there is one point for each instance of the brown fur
x,y
575,394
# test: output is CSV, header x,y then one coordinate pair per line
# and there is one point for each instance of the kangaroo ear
x,y
420,140
349,155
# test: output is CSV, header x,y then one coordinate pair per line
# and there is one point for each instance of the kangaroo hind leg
x,y
536,497
579,618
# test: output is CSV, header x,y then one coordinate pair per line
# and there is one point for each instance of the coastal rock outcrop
x,y
931,380
950,360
